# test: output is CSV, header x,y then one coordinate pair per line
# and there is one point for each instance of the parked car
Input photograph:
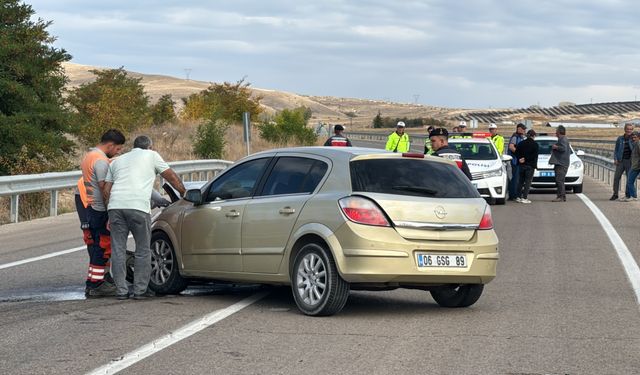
x,y
327,220
544,176
487,166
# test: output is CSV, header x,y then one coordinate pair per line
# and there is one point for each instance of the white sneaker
x,y
525,200
519,200
624,199
633,198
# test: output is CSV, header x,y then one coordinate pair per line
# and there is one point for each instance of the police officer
x,y
440,144
427,142
398,141
338,139
496,138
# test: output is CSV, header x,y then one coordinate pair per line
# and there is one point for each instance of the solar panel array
x,y
613,108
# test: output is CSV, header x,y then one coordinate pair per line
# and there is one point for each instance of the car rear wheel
x,y
317,287
165,277
457,295
577,189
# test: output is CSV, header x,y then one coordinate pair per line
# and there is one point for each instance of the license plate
x,y
547,173
442,260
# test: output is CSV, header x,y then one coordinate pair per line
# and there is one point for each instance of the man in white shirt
x,y
129,184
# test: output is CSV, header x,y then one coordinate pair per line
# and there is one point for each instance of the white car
x,y
544,176
487,167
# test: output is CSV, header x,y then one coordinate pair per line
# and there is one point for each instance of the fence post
x,y
53,206
15,205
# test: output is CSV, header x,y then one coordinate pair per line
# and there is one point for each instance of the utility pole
x,y
187,72
415,98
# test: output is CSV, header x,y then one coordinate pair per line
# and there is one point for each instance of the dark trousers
x,y
513,183
99,246
622,167
561,173
524,180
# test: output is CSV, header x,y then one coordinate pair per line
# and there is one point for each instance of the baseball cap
x,y
400,124
338,127
493,126
439,131
463,124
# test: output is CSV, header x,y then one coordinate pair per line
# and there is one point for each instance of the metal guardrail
x,y
14,186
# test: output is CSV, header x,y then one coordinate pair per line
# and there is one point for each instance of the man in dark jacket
x,y
440,146
560,157
527,155
338,139
622,159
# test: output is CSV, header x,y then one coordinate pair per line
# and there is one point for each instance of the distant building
x,y
593,125
634,121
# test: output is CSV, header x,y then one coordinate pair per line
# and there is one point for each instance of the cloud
x,y
451,53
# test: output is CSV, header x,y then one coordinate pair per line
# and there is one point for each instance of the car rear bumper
x,y
573,178
362,259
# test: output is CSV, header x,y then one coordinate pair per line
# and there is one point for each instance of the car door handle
x,y
287,210
232,214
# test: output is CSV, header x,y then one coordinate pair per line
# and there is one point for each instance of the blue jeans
x,y
513,183
631,182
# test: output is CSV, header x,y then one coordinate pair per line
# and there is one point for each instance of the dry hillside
x,y
336,110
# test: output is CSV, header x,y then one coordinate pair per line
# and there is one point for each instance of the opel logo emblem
x,y
440,212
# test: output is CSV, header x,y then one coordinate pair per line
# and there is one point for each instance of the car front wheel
x,y
457,295
165,277
317,287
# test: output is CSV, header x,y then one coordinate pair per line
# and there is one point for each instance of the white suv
x,y
544,177
488,171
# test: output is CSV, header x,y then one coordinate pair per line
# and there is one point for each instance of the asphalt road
x,y
561,304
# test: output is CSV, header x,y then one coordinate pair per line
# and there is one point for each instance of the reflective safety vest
x,y
498,141
397,143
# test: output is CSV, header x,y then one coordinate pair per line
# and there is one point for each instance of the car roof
x,y
345,154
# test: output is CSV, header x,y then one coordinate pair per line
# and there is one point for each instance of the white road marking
x,y
182,333
46,256
626,258
41,257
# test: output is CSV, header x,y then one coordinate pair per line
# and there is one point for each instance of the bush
x,y
163,111
289,126
209,139
113,101
227,101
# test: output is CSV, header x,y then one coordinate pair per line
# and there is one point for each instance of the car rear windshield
x,y
415,177
544,146
475,151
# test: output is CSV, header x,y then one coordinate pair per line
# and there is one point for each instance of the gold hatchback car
x,y
326,220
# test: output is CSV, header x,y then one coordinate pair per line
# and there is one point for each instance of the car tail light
x,y
487,220
363,211
459,163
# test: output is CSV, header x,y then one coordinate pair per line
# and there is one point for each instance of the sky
x,y
464,54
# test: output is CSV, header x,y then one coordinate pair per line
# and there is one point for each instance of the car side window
x,y
238,182
293,175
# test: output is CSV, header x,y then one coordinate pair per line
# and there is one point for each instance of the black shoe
x,y
613,197
559,199
122,297
145,295
103,290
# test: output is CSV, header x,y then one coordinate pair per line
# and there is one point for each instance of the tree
x,y
163,111
33,121
287,126
209,140
113,101
377,121
225,101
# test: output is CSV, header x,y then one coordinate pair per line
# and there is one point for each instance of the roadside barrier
x,y
14,186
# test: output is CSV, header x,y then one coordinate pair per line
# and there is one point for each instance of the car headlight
x,y
576,164
493,173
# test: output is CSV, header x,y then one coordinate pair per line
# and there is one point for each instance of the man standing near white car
x,y
560,158
129,184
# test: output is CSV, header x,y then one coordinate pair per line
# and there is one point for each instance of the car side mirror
x,y
194,196
580,153
506,158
